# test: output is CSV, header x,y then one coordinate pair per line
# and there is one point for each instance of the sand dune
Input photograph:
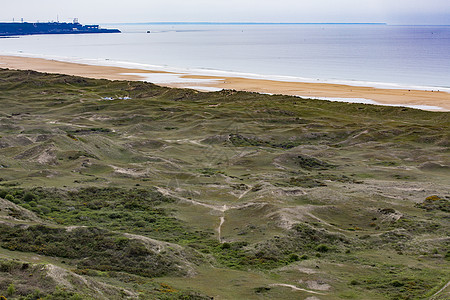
x,y
429,100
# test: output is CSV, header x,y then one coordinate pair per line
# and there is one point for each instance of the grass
x,y
310,192
88,248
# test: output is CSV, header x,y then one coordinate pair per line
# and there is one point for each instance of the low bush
x,y
322,248
91,248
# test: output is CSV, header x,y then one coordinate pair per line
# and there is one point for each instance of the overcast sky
x,y
116,11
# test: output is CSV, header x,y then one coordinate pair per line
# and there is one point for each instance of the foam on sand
x,y
419,99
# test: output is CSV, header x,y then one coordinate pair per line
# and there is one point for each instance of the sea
x,y
377,55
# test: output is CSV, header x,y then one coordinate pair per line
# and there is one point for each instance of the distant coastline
x,y
380,56
420,99
25,28
373,64
241,23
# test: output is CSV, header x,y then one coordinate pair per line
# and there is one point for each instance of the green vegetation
x,y
435,203
89,248
177,194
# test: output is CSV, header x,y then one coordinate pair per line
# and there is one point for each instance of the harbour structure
x,y
25,28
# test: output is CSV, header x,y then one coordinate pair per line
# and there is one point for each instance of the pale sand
x,y
321,90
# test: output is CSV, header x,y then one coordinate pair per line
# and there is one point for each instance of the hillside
x,y
128,190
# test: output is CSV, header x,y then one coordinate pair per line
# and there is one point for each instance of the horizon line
x,y
253,23
235,23
265,23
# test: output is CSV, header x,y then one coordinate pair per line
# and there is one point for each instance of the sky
x,y
395,12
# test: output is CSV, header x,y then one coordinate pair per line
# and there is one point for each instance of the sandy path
x,y
327,90
440,291
297,288
218,208
219,229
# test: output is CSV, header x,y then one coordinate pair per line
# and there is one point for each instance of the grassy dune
x,y
116,190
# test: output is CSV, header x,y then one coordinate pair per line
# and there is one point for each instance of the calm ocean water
x,y
406,56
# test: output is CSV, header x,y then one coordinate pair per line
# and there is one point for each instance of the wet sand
x,y
304,89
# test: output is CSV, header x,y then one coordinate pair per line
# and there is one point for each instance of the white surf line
x,y
204,88
220,74
175,78
440,291
296,288
366,101
373,102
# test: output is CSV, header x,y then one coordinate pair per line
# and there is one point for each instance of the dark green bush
x,y
226,246
396,283
91,248
9,197
322,248
27,197
354,282
293,257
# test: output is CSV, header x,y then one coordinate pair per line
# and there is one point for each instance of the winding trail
x,y
244,193
222,220
440,291
324,222
296,288
219,208
187,141
224,208
166,192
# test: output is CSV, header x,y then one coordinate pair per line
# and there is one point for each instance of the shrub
x,y
140,224
90,248
28,197
11,290
45,210
261,289
9,197
26,206
226,246
322,248
396,283
293,257
61,294
37,294
433,198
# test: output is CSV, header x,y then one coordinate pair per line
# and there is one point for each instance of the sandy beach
x,y
415,98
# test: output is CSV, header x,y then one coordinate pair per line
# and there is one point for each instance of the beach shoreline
x,y
422,99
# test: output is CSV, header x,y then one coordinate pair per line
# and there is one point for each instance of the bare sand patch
x,y
423,99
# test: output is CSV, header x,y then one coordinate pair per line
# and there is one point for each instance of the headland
x,y
25,28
